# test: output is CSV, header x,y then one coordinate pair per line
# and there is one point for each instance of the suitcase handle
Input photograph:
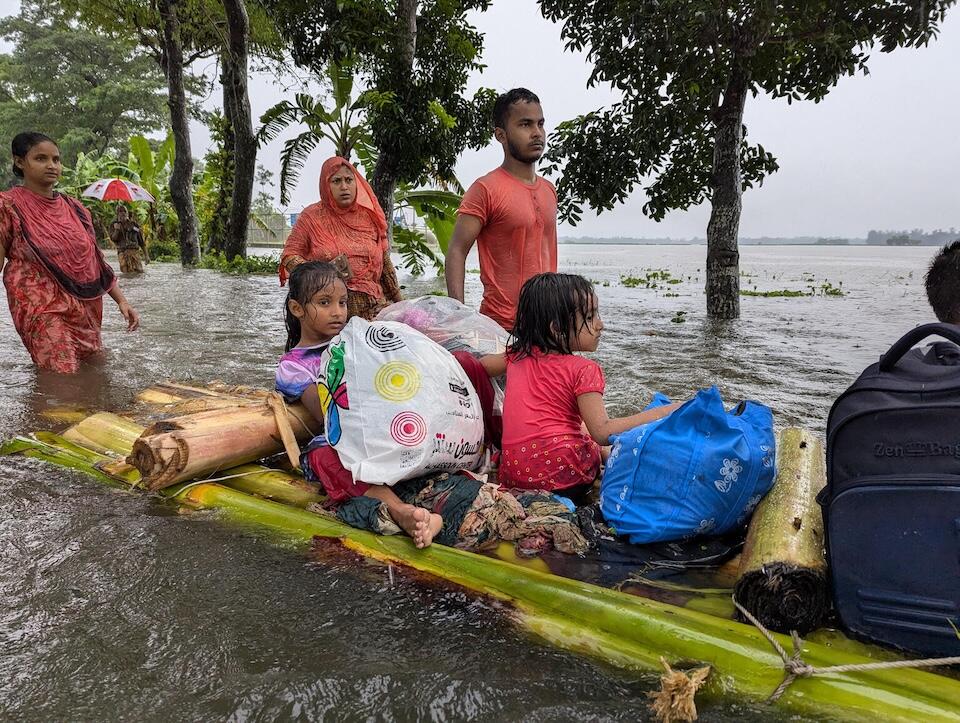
x,y
912,337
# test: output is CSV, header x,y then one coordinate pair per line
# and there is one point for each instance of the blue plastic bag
x,y
700,470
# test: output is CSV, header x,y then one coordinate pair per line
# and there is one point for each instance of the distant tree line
x,y
938,237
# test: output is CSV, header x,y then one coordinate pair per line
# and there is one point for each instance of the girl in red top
x,y
554,419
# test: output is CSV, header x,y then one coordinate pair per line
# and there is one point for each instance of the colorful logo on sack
x,y
408,429
333,394
397,381
730,471
383,339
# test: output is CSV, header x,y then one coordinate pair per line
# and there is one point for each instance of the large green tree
x,y
88,90
685,69
176,34
415,54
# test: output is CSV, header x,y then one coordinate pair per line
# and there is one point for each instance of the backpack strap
x,y
948,331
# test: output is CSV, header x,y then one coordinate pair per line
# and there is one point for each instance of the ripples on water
x,y
113,606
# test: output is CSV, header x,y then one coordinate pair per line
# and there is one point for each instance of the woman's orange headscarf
x,y
323,231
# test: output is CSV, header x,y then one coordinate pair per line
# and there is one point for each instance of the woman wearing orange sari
x,y
348,228
53,270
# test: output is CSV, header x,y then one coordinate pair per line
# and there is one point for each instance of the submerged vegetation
x,y
169,252
775,293
663,279
826,288
218,261
652,279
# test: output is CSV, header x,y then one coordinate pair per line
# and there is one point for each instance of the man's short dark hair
x,y
943,283
501,108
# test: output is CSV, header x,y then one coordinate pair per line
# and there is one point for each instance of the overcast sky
x,y
882,151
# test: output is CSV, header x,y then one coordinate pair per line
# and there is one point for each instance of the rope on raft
x,y
794,666
210,480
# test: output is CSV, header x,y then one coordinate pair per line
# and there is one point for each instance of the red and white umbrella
x,y
116,189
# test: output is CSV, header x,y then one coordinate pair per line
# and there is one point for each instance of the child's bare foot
x,y
419,523
429,531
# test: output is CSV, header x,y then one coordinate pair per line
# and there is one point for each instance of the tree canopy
x,y
88,91
684,69
421,54
672,61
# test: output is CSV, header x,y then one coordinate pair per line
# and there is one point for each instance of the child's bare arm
x,y
600,426
494,364
311,400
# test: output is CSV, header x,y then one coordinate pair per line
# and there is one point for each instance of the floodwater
x,y
115,607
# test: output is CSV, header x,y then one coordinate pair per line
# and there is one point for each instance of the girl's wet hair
x,y
552,307
21,145
305,280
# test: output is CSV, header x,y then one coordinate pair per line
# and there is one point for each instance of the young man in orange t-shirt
x,y
511,213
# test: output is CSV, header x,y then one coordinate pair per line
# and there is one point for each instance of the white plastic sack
x,y
455,327
397,405
449,323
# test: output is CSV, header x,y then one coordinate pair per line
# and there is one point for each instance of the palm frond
x,y
292,158
277,118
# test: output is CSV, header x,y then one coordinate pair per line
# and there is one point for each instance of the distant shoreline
x,y
703,242
875,239
742,242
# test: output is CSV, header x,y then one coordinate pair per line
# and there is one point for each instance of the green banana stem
x,y
624,630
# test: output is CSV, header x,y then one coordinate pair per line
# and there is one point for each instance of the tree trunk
x,y
244,140
723,256
384,178
181,178
217,232
407,14
384,183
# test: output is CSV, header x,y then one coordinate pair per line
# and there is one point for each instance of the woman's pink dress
x,y
55,277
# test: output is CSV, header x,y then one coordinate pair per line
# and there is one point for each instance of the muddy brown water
x,y
115,607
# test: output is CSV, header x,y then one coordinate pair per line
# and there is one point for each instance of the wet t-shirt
x,y
541,399
518,239
298,369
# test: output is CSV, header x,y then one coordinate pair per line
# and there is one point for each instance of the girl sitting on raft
x,y
315,311
554,418
455,509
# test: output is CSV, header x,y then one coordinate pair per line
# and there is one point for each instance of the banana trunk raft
x,y
619,628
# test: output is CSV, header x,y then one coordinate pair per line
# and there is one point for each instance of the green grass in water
x,y
788,293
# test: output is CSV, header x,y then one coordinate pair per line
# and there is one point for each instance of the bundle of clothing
x,y
477,515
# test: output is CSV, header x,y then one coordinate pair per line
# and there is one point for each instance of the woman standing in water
x,y
54,272
348,228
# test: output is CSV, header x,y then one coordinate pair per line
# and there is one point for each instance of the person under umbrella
x,y
54,272
128,240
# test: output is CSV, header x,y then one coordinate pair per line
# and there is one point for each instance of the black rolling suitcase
x,y
891,506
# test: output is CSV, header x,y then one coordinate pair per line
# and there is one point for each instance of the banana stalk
x,y
115,436
105,432
197,445
783,569
621,629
